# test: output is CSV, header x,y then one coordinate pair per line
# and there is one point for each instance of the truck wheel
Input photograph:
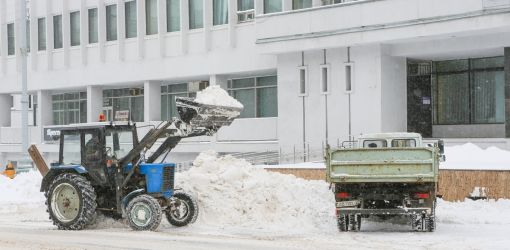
x,y
183,211
355,222
144,213
343,223
71,202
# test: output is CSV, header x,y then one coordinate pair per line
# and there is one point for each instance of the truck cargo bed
x,y
362,165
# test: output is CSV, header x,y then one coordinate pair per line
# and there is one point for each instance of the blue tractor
x,y
104,167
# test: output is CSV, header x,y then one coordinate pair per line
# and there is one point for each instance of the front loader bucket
x,y
205,115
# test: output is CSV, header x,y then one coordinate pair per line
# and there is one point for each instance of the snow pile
x,y
215,95
233,193
474,212
469,156
21,196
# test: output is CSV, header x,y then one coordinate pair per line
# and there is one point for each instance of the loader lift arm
x,y
196,120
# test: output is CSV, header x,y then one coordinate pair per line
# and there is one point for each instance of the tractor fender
x,y
129,197
55,171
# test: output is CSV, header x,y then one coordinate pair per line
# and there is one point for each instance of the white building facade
x,y
309,72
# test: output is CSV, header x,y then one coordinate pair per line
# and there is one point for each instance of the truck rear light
x,y
343,195
422,195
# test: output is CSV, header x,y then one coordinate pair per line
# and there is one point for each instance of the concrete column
x,y
66,36
232,22
121,28
208,23
101,31
5,110
3,37
140,16
507,92
33,35
162,26
152,101
94,103
259,7
84,31
287,5
184,25
49,34
44,111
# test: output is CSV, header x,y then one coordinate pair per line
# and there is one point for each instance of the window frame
x,y
91,31
148,18
349,82
126,21
169,16
71,28
326,67
55,34
303,86
469,71
109,36
256,88
41,39
10,52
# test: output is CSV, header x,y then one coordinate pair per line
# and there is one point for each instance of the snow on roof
x,y
471,157
463,157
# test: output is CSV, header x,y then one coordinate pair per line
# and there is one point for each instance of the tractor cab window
x,y
374,144
71,149
403,143
119,143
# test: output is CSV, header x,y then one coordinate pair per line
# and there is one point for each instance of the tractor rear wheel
x,y
183,211
71,202
144,213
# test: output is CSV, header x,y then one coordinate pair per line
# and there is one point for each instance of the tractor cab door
x,y
93,155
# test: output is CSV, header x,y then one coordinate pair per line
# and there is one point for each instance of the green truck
x,y
385,175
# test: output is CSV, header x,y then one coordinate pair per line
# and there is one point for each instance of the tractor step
x,y
205,115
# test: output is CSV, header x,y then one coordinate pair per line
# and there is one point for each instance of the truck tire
x,y
71,202
184,212
355,222
343,223
431,223
144,213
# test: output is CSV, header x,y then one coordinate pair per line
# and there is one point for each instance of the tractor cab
x,y
96,147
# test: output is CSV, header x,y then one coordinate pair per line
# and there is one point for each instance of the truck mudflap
x,y
386,211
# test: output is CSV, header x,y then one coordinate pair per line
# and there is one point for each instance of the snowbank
x,y
21,197
474,212
215,95
469,156
233,193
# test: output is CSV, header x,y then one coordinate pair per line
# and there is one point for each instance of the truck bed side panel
x,y
382,165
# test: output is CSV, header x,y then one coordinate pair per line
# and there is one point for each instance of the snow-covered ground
x,y
244,207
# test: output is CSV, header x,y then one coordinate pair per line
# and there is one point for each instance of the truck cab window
x,y
403,143
374,144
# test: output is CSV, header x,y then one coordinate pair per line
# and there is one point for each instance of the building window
x,y
301,4
151,17
93,27
325,79
328,2
469,91
11,41
75,28
28,35
69,108
220,12
111,22
173,18
41,34
349,77
243,5
272,6
131,29
57,32
259,95
196,14
116,101
170,92
303,80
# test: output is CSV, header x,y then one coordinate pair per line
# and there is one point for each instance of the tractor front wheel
x,y
71,202
144,213
183,210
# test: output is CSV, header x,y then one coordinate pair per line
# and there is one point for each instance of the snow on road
x,y
243,207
